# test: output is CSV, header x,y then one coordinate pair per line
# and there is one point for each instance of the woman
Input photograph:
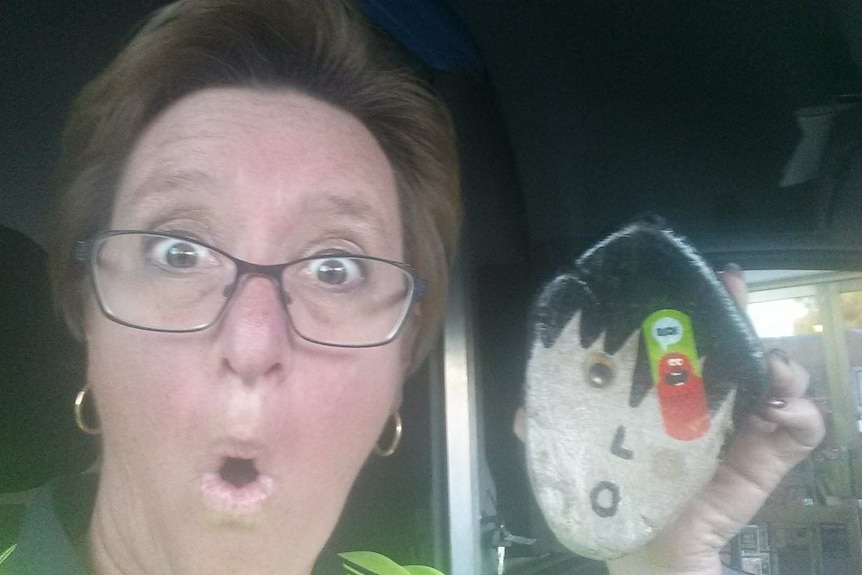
x,y
253,234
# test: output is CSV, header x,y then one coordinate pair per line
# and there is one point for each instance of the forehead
x,y
269,156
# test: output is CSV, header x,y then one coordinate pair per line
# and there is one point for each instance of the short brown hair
x,y
320,48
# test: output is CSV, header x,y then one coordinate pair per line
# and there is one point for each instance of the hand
x,y
773,440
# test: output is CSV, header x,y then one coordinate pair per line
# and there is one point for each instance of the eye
x,y
336,271
174,253
601,369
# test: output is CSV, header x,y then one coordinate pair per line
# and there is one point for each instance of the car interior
x,y
738,123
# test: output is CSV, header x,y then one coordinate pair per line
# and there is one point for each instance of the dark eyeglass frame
x,y
85,254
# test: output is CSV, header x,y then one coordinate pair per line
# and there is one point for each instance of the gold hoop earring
x,y
396,438
79,413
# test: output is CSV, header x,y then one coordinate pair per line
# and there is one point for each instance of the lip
x,y
224,497
238,445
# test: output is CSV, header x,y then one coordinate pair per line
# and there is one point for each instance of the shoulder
x,y
57,515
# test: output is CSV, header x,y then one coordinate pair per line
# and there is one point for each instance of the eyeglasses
x,y
170,283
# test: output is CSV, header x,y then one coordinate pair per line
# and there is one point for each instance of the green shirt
x,y
59,515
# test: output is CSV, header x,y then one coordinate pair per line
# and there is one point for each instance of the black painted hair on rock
x,y
641,269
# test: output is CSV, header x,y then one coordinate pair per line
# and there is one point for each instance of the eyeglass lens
x,y
173,284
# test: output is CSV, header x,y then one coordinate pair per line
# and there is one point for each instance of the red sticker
x,y
682,398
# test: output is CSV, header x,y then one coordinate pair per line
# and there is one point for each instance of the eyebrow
x,y
161,182
169,180
349,206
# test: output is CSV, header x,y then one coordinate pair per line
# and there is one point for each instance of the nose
x,y
254,335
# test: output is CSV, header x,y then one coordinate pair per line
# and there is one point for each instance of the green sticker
x,y
669,331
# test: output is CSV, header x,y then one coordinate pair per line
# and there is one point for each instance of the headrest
x,y
41,370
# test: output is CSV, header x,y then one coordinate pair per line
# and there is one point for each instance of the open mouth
x,y
238,472
238,484
676,378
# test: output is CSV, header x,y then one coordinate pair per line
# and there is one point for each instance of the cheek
x,y
341,404
144,391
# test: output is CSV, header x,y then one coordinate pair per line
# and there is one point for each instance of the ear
x,y
89,314
519,426
398,399
407,339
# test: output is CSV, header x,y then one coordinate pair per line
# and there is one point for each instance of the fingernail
x,y
733,269
776,403
781,354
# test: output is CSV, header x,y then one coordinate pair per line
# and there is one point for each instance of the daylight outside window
x,y
810,525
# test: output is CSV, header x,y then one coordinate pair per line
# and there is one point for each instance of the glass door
x,y
811,523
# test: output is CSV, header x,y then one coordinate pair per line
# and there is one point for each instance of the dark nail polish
x,y
781,354
776,403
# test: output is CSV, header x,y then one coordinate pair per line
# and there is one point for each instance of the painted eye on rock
x,y
601,369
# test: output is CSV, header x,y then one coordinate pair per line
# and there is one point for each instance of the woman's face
x,y
267,176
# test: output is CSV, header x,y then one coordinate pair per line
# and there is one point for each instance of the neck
x,y
121,541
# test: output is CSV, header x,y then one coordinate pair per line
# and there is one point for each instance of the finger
x,y
734,283
799,418
759,423
789,379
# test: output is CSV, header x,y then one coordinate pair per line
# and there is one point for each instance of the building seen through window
x,y
810,525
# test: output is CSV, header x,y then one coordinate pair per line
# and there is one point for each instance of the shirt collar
x,y
56,517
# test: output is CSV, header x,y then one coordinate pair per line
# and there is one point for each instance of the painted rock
x,y
641,365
